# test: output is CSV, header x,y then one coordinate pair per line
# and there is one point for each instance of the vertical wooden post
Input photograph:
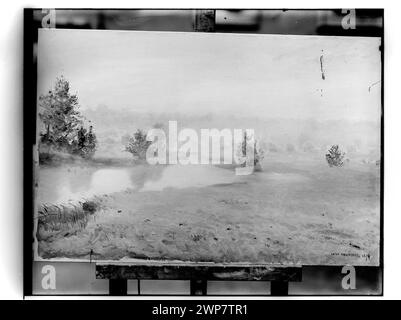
x,y
198,287
205,20
118,287
279,288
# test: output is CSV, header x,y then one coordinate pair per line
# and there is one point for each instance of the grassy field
x,y
297,211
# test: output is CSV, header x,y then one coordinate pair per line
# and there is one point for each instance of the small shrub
x,y
246,148
89,206
335,157
138,145
85,145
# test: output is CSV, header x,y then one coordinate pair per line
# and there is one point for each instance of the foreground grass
x,y
296,212
62,220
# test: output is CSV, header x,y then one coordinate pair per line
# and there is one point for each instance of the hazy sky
x,y
255,75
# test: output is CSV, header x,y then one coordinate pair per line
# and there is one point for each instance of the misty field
x,y
298,210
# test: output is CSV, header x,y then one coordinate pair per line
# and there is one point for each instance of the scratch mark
x,y
321,67
373,84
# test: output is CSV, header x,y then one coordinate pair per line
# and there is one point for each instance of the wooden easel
x,y
198,274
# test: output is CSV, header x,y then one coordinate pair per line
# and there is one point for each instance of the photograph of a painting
x,y
220,148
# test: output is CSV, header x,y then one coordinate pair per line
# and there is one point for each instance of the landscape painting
x,y
209,148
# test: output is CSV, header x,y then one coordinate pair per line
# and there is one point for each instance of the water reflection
x,y
179,176
81,185
59,185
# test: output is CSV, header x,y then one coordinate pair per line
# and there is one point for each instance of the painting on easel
x,y
217,148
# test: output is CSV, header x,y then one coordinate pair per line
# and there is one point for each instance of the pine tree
x,y
63,123
59,115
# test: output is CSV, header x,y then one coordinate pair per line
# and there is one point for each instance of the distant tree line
x,y
138,144
64,131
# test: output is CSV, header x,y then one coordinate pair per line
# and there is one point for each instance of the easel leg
x,y
279,288
118,287
198,287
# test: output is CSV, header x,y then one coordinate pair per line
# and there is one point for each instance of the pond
x,y
76,183
61,184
